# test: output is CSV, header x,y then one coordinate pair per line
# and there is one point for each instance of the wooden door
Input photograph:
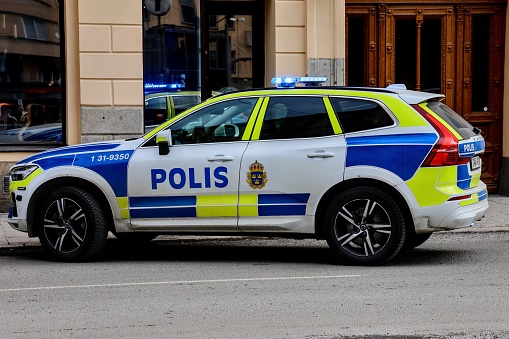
x,y
456,49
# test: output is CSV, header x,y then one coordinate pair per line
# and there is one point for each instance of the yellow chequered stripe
x,y
476,179
425,107
332,116
248,205
252,119
423,186
258,126
123,205
474,199
216,206
400,109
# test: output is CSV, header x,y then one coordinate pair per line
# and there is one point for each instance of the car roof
x,y
409,96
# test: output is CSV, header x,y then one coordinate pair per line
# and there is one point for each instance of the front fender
x,y
67,172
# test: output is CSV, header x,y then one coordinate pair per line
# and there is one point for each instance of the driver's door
x,y
195,186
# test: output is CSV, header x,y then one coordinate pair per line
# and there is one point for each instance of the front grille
x,y
5,185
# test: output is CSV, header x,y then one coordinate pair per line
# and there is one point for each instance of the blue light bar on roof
x,y
313,80
291,82
163,86
285,81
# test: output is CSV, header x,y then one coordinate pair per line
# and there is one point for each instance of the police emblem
x,y
256,177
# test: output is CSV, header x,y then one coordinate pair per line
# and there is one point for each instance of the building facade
x,y
90,70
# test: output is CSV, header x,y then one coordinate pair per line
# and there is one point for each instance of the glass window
x,y
31,109
219,122
184,102
295,117
30,32
454,120
156,111
171,57
41,30
359,115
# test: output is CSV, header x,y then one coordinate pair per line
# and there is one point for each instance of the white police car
x,y
372,171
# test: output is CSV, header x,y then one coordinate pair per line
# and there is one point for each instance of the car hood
x,y
73,150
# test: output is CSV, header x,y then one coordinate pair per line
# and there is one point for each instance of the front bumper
x,y
15,222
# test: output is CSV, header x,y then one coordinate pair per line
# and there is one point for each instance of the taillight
x,y
445,151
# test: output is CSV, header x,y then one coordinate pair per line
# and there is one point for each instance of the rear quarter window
x,y
360,115
460,125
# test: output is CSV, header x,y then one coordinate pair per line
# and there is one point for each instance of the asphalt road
x,y
456,285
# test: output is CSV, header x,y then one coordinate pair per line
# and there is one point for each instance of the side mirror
x,y
163,140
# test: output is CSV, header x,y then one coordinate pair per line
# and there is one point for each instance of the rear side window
x,y
360,115
459,124
295,117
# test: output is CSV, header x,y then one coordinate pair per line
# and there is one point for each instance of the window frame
x,y
252,115
267,107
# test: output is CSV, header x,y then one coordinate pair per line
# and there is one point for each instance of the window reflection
x,y
30,73
171,54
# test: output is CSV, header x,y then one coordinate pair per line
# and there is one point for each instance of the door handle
x,y
220,158
321,154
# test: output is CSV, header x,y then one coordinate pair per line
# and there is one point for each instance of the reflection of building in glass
x,y
172,46
29,64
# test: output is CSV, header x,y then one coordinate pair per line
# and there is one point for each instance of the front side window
x,y
295,117
219,122
360,115
31,110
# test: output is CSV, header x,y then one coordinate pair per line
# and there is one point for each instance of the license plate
x,y
475,163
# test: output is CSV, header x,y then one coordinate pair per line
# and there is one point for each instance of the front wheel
x,y
365,226
72,225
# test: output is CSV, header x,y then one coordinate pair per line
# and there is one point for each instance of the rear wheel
x,y
365,226
72,225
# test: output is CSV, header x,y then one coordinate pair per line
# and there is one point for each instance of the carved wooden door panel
x,y
480,63
455,49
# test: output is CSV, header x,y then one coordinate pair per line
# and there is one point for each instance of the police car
x,y
373,171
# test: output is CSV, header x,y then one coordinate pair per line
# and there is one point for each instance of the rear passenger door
x,y
297,152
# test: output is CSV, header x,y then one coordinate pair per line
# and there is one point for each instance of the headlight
x,y
21,173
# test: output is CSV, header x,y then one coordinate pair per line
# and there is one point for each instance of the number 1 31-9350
x,y
110,157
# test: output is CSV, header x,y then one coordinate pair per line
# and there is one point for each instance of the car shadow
x,y
244,250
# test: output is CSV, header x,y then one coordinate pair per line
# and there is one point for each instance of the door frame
x,y
456,59
256,9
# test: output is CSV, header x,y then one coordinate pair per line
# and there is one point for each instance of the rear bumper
x,y
455,214
464,216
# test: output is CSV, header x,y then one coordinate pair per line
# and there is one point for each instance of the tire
x,y
365,226
72,225
416,240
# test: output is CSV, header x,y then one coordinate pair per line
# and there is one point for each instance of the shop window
x,y
31,108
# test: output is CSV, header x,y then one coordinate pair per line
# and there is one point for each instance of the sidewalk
x,y
497,219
